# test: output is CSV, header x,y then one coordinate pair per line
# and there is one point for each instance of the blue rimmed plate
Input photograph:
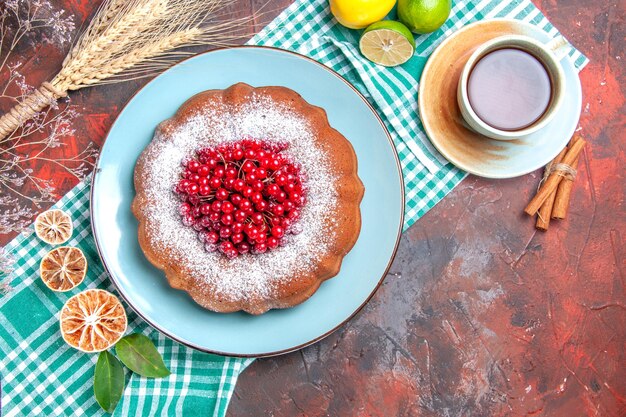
x,y
173,312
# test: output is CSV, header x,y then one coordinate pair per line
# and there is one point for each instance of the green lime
x,y
387,43
423,16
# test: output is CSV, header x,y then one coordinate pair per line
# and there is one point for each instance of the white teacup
x,y
549,55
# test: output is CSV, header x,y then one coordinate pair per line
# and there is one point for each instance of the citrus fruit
x,y
54,227
423,16
357,14
93,321
387,43
63,268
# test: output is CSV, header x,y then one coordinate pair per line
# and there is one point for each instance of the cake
x,y
247,199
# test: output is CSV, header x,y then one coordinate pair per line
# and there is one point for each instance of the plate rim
x,y
182,341
455,161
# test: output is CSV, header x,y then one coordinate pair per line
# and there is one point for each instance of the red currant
x,y
221,194
251,231
278,232
205,209
261,205
260,248
216,206
241,196
239,184
248,166
229,183
226,232
238,154
215,182
272,189
272,243
227,207
211,237
193,165
226,246
204,170
281,179
278,210
219,171
188,220
184,184
275,164
248,191
205,190
243,248
256,198
236,199
192,188
237,238
184,208
257,218
237,227
257,185
231,172
245,205
281,196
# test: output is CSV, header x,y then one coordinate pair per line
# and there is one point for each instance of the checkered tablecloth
x,y
41,376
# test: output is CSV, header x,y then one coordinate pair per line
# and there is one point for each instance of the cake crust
x,y
346,218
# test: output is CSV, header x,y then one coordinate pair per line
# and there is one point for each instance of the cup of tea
x,y
512,86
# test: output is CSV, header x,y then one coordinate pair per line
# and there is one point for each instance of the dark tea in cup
x,y
512,86
509,89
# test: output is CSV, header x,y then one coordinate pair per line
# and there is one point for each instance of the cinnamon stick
x,y
562,195
554,179
545,211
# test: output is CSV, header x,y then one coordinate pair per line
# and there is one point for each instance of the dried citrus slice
x,y
54,226
63,268
93,321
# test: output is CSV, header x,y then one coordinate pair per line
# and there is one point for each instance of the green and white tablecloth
x,y
41,376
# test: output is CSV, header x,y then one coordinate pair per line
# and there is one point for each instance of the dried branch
x,y
24,24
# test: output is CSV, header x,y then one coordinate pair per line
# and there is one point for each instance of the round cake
x,y
247,199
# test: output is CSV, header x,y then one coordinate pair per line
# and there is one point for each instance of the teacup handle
x,y
558,47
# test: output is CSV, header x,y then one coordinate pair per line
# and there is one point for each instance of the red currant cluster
x,y
241,197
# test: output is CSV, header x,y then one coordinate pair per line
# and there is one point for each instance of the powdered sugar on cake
x,y
249,275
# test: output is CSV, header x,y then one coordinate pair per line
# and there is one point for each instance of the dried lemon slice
x,y
54,227
63,268
93,321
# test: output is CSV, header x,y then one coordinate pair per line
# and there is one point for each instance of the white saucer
x,y
468,150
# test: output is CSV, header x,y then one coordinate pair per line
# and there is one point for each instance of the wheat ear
x,y
128,39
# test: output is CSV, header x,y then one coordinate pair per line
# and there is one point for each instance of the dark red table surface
x,y
480,314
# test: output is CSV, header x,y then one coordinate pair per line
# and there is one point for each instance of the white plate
x,y
477,154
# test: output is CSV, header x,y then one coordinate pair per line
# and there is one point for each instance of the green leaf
x,y
139,354
108,381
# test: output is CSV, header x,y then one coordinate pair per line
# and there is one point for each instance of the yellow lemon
x,y
358,14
